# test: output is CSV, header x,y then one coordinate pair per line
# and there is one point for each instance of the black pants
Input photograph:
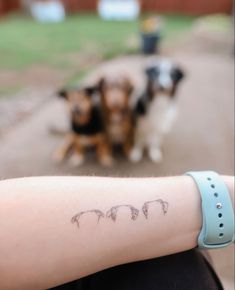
x,y
184,271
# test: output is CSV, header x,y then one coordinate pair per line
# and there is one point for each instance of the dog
x,y
118,115
156,109
87,128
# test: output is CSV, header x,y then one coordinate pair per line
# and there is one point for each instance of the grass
x,y
218,23
174,25
24,42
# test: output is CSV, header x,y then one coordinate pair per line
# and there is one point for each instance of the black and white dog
x,y
156,109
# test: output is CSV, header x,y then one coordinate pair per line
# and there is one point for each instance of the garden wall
x,y
196,7
9,6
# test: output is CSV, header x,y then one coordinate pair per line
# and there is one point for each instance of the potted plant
x,y
151,34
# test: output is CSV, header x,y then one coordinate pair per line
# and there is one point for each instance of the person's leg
x,y
184,271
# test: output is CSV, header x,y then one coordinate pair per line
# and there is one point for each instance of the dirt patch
x,y
23,92
32,76
16,108
35,85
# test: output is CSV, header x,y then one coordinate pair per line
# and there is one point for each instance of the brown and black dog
x,y
87,128
118,116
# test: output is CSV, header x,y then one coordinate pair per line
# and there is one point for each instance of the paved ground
x,y
202,138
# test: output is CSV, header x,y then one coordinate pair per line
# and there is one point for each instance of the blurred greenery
x,y
174,25
24,42
217,23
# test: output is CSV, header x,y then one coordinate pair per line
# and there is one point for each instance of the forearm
x,y
55,230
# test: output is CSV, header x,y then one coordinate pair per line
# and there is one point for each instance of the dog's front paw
x,y
136,155
106,161
58,157
76,160
155,154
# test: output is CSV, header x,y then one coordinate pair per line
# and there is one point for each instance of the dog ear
x,y
62,94
90,91
177,74
152,72
100,84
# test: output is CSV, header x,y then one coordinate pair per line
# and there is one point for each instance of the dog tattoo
x,y
146,205
77,217
112,213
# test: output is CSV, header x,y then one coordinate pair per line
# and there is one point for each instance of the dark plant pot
x,y
150,43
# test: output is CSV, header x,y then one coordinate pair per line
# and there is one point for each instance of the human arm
x,y
58,229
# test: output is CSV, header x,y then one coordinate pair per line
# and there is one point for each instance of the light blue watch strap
x,y
217,210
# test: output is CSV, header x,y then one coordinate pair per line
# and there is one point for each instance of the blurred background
x,y
46,45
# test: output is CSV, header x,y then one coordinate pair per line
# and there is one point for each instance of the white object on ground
x,y
51,11
119,9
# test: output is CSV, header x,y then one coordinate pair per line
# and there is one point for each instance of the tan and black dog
x,y
118,116
87,128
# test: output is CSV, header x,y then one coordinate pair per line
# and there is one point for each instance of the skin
x,y
43,246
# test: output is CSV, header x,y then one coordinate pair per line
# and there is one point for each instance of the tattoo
x,y
146,205
77,217
112,213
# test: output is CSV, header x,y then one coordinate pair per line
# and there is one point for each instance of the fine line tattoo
x,y
145,208
112,213
77,217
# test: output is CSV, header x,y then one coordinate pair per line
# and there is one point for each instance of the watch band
x,y
217,210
